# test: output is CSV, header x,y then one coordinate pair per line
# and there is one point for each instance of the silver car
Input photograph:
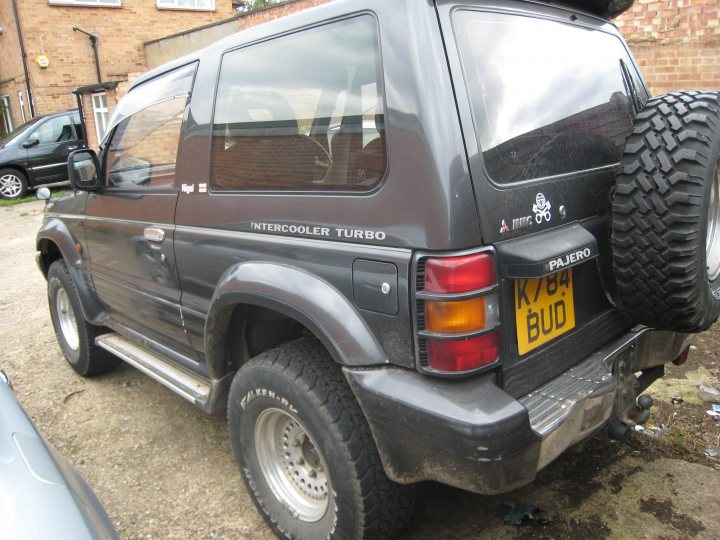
x,y
41,494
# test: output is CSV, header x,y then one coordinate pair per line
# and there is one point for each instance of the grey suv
x,y
397,242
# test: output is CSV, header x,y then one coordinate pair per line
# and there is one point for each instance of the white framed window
x,y
100,113
186,4
85,2
22,107
7,116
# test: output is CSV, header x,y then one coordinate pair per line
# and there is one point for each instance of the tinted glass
x,y
302,112
548,98
55,130
176,83
143,149
78,125
14,136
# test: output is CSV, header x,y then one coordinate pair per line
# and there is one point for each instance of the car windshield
x,y
15,135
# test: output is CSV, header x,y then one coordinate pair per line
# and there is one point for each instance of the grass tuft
x,y
31,197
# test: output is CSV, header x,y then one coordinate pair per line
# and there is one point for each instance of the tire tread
x,y
656,214
92,360
386,506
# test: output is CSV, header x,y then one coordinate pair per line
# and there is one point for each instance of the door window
x,y
142,150
303,112
55,130
77,123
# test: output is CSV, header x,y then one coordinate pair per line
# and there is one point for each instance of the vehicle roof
x,y
603,9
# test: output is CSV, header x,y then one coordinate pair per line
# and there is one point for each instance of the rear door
x,y
544,96
130,220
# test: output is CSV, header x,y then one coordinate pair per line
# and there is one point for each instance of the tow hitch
x,y
631,411
619,427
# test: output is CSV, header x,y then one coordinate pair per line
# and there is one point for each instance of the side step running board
x,y
189,385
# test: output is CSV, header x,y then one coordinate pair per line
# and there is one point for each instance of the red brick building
x,y
676,42
47,36
60,55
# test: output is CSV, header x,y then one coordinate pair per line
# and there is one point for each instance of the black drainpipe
x,y
94,43
24,59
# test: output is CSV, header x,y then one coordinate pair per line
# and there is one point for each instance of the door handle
x,y
153,234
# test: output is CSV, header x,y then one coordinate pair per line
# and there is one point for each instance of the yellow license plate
x,y
544,309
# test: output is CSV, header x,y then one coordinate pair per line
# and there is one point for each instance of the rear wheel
x,y
306,452
666,214
13,184
75,335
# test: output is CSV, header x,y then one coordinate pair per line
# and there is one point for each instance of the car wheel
x,y
13,184
666,214
305,450
74,334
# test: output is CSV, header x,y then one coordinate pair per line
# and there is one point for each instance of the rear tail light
x,y
459,274
458,328
463,355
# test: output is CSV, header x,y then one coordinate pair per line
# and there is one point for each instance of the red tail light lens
x,y
463,355
459,274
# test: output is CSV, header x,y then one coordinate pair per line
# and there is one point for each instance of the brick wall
x,y
12,79
89,116
275,12
676,42
47,30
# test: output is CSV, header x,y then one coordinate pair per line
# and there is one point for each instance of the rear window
x,y
548,98
302,112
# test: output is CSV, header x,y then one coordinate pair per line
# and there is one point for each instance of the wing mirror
x,y
29,143
84,170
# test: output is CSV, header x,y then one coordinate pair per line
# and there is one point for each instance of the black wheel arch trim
x,y
56,232
298,294
23,169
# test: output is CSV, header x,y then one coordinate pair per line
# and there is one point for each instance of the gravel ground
x,y
165,470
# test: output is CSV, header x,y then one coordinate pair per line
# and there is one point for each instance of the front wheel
x,y
75,335
306,452
13,184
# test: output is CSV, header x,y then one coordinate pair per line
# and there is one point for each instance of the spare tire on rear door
x,y
666,214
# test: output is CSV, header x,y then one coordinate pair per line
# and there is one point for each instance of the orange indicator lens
x,y
455,317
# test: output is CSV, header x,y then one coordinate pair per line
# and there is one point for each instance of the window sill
x,y
184,8
84,5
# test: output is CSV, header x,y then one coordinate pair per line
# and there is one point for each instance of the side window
x,y
302,112
55,130
142,150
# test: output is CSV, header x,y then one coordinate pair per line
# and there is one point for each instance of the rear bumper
x,y
471,434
